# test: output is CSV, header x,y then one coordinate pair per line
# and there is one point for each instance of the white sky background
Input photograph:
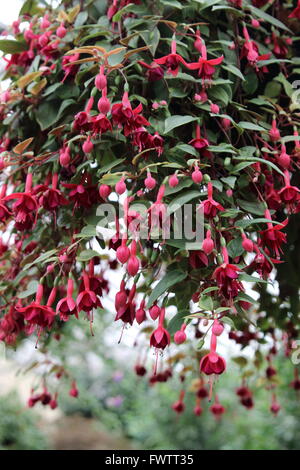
x,y
9,11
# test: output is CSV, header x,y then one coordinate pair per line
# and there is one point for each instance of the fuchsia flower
x,y
217,409
199,143
124,116
172,60
250,50
212,363
5,213
210,206
226,276
37,314
154,71
26,206
125,306
67,306
179,405
83,194
11,325
289,195
50,198
160,338
87,300
272,237
296,12
206,67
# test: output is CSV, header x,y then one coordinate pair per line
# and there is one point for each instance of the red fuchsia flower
x,y
140,370
198,41
150,182
261,264
100,79
158,218
198,410
274,132
154,71
284,159
83,194
289,195
140,314
206,67
280,47
208,243
126,309
104,191
100,124
217,409
296,12
40,315
11,325
295,384
199,143
74,390
272,237
236,3
133,264
197,176
275,406
154,311
247,244
226,276
180,335
250,51
67,306
198,259
88,145
160,338
5,213
210,207
173,181
212,363
87,300
96,284
50,198
26,206
123,252
179,405
68,65
61,31
64,156
124,116
172,60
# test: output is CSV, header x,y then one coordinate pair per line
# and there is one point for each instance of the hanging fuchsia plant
x,y
183,121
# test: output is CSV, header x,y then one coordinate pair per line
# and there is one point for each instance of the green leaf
x,y
46,114
234,70
175,323
229,321
241,361
182,199
176,121
172,4
86,255
41,259
169,280
252,207
251,127
10,46
120,13
235,247
89,231
260,14
31,290
206,303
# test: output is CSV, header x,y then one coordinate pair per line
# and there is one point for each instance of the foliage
x,y
141,109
